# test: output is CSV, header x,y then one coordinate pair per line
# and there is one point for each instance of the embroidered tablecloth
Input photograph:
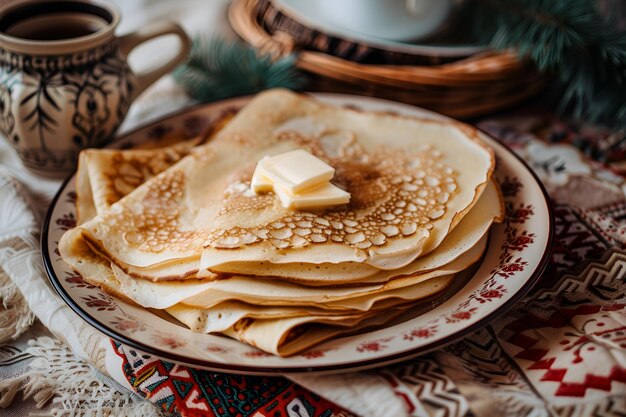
x,y
559,352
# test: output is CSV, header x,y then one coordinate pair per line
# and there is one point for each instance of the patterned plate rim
x,y
264,370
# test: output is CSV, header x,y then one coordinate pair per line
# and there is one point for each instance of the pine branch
x,y
569,39
219,69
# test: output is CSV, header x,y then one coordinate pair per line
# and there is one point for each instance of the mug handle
x,y
154,30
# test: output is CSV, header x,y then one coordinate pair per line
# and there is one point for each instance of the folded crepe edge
x,y
472,136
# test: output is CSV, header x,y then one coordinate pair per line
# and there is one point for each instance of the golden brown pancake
x,y
411,182
177,228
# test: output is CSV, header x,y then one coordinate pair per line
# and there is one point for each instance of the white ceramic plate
x,y
308,13
516,256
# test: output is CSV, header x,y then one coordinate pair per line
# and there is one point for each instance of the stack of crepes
x,y
192,239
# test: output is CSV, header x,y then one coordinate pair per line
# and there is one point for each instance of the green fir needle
x,y
219,69
582,49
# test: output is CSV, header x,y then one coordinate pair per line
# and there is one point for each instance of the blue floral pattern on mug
x,y
83,96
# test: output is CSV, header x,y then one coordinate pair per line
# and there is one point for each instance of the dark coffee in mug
x,y
52,31
55,20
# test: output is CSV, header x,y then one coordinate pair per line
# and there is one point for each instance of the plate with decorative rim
x,y
517,253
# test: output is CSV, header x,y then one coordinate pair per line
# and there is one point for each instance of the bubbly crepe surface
x,y
470,229
407,178
109,174
186,234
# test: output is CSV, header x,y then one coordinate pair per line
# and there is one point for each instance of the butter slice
x,y
260,183
299,180
324,195
296,170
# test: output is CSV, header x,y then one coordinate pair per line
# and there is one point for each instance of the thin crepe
x,y
279,330
226,314
107,175
287,337
281,324
488,210
104,176
206,294
201,205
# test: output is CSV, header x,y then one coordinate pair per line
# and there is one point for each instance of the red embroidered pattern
x,y
590,335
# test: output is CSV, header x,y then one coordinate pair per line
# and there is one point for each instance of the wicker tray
x,y
469,87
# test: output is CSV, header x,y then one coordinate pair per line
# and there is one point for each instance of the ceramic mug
x,y
65,83
396,20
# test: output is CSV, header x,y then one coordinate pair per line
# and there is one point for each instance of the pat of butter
x,y
296,170
324,195
260,183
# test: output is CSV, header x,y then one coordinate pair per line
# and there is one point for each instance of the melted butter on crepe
x,y
410,180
